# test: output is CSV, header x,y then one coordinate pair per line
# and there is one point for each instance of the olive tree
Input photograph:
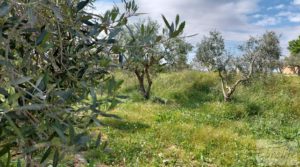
x,y
212,54
211,51
269,53
267,48
51,66
143,52
176,54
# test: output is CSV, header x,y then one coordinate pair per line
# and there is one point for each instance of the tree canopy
x,y
146,46
211,51
294,46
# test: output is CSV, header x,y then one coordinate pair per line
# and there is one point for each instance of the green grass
x,y
196,128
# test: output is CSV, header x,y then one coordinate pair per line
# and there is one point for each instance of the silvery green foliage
x,y
265,49
176,51
258,55
211,52
143,49
52,63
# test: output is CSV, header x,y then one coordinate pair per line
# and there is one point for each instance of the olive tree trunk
x,y
145,89
228,90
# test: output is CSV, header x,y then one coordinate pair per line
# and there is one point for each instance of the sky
x,y
237,20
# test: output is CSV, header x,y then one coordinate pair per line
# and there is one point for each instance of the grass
x,y
195,128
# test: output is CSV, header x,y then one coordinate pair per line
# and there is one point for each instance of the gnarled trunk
x,y
145,91
229,90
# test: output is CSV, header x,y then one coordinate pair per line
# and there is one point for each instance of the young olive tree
x,y
269,53
51,58
176,54
211,51
143,51
212,54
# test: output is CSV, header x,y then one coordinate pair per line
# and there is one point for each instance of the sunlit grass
x,y
195,127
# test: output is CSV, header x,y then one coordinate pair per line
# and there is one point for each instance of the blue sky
x,y
277,13
236,19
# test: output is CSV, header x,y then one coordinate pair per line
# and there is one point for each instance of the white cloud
x,y
231,17
281,6
277,7
257,16
295,18
268,21
296,2
292,17
100,7
284,14
227,16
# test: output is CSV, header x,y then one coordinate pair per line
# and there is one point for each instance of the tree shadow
x,y
197,94
253,109
130,89
243,109
130,127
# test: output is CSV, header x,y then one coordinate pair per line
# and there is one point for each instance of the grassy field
x,y
194,127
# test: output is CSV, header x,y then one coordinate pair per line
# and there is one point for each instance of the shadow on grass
x,y
239,109
196,95
130,127
130,89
